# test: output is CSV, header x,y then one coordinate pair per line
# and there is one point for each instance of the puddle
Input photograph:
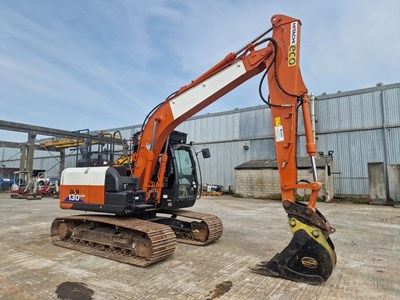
x,y
219,290
74,291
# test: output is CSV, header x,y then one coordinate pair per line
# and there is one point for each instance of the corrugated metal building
x,y
361,126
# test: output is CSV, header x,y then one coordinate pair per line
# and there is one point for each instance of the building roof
x,y
302,163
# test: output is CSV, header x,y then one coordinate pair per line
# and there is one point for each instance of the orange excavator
x,y
144,198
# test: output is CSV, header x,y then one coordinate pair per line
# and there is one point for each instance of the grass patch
x,y
237,195
359,200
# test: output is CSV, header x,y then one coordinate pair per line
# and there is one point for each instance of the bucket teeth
x,y
310,257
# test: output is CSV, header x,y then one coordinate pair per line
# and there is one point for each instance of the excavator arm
x,y
232,71
310,256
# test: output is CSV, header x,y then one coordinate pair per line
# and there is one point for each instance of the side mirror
x,y
206,153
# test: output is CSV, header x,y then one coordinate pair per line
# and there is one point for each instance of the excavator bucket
x,y
310,256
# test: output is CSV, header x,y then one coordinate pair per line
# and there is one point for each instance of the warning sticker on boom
x,y
279,134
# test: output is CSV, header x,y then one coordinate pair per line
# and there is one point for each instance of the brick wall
x,y
262,183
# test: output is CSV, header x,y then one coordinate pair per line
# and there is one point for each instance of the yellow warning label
x,y
278,121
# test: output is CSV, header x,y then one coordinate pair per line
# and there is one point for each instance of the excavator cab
x,y
182,175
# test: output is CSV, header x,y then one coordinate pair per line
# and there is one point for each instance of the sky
x,y
101,64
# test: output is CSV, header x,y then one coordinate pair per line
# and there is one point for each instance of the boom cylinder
x,y
310,144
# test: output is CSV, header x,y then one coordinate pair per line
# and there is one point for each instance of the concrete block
x,y
376,181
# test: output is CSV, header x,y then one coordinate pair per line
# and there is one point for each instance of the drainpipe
x,y
385,146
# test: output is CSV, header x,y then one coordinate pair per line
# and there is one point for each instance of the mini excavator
x,y
143,199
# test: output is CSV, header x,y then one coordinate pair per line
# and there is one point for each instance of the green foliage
x,y
306,198
237,195
275,197
359,200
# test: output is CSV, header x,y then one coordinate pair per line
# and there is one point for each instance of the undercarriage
x,y
139,241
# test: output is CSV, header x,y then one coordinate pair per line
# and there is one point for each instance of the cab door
x,y
186,171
